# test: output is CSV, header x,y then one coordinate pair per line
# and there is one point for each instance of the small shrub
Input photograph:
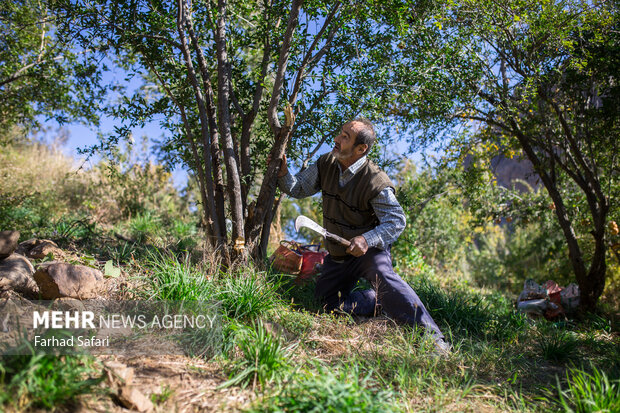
x,y
327,391
246,296
297,322
263,357
587,392
144,226
122,252
161,397
557,346
70,229
182,229
171,279
184,235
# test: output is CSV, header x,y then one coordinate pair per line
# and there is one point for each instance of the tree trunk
x,y
246,130
232,169
202,114
220,211
273,216
263,213
203,187
595,282
592,282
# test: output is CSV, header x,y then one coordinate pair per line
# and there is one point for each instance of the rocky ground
x,y
38,269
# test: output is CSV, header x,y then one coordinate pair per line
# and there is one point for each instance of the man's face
x,y
344,143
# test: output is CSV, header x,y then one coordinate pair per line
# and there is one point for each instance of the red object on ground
x,y
286,258
554,290
310,260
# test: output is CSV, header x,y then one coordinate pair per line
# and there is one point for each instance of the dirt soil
x,y
175,384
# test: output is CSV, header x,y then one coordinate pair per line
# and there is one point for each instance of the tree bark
x,y
203,118
214,149
232,169
264,239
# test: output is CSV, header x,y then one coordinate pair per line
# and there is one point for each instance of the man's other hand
x,y
283,167
358,246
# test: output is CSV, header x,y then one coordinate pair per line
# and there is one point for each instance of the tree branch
x,y
190,138
272,114
317,147
589,175
312,60
18,74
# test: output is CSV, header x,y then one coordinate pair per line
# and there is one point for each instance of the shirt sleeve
x,y
391,217
305,183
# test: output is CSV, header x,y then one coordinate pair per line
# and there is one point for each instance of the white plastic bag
x,y
570,297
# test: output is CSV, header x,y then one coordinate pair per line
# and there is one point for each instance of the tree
x,y
224,73
41,70
536,78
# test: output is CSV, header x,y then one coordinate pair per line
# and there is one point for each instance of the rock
x,y
118,372
8,243
16,274
24,247
59,279
38,248
133,399
68,304
43,248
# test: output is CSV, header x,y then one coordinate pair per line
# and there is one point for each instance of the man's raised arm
x,y
304,184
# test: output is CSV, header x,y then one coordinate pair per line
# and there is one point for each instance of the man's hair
x,y
366,135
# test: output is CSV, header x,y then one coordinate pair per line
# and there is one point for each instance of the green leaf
x,y
89,261
110,270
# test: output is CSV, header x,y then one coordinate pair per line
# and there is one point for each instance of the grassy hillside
x,y
279,351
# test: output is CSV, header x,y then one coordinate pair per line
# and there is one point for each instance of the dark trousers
x,y
397,298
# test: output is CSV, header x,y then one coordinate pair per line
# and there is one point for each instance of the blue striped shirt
x,y
389,212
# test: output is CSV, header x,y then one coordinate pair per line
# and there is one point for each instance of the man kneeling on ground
x,y
359,205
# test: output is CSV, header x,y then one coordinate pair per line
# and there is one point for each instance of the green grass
x,y
264,358
469,314
145,226
557,345
161,397
246,295
184,234
324,389
174,279
588,392
298,323
46,381
122,252
67,229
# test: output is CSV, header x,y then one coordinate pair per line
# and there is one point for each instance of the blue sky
x,y
81,136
